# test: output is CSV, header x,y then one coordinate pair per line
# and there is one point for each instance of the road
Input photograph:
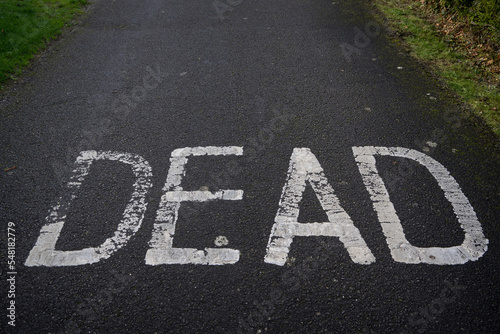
x,y
243,166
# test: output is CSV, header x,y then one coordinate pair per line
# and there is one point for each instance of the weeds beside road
x,y
459,40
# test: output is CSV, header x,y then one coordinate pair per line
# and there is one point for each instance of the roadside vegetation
x,y
26,26
460,41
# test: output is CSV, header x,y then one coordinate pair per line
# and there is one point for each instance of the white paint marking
x,y
221,241
475,243
203,196
304,167
162,251
44,253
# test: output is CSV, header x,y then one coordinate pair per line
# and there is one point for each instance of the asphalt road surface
x,y
243,166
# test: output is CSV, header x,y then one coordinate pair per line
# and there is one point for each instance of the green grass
x,y
456,71
25,28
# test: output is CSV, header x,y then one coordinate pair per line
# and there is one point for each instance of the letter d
x,y
44,253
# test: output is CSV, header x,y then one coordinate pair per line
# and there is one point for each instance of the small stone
x,y
431,144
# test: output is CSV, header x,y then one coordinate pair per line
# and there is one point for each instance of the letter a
x,y
304,167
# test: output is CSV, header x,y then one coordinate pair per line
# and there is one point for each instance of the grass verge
x,y
467,60
26,26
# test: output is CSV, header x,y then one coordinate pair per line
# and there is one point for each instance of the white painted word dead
x,y
303,168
